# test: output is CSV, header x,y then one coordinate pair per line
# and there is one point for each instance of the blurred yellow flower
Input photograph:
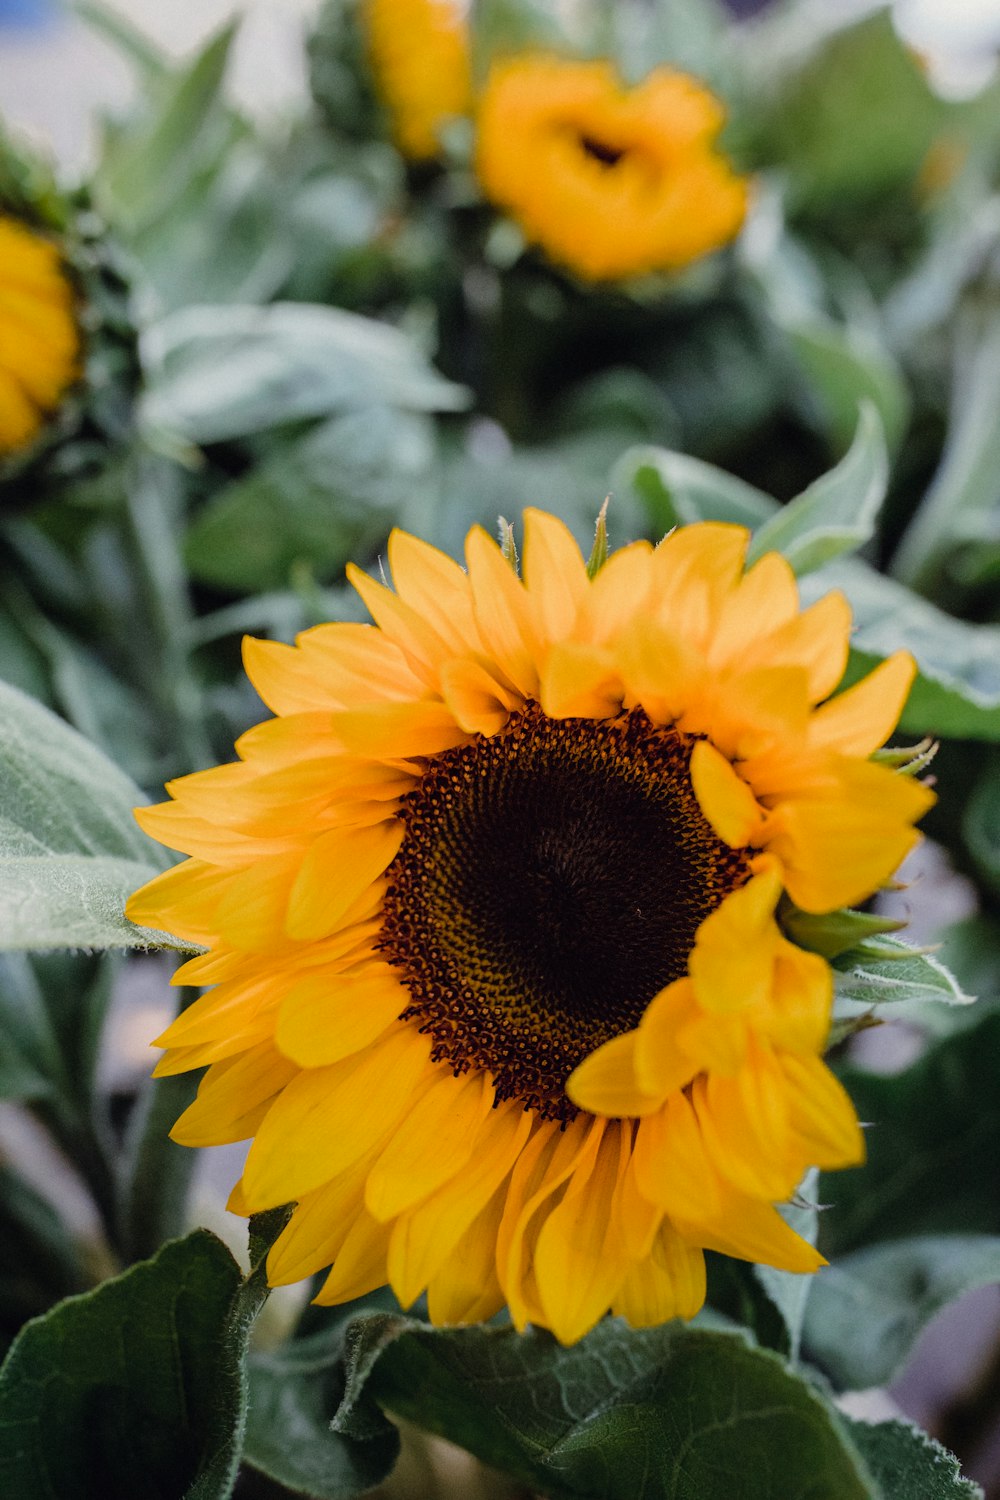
x,y
609,181
490,910
420,56
39,337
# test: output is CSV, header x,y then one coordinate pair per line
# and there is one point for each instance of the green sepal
x,y
834,933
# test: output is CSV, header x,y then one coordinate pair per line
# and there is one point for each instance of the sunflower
x,y
609,181
419,52
39,337
490,908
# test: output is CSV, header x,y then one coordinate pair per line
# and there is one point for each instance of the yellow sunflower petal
x,y
360,1266
746,1125
436,588
547,1161
672,1166
750,1230
325,1017
822,1113
607,1084
503,612
580,682
319,1225
671,1284
423,1238
334,871
232,1098
580,1259
436,1142
479,703
836,851
860,720
732,963
327,1117
554,574
466,1289
725,799
694,570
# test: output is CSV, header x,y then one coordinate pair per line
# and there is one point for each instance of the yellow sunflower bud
x,y
39,335
420,57
609,181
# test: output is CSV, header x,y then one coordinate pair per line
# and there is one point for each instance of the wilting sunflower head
x,y
39,334
491,911
609,181
419,52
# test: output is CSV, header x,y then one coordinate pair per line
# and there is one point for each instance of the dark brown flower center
x,y
550,881
608,156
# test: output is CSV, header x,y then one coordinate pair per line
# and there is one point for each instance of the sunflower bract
x,y
39,337
489,904
609,181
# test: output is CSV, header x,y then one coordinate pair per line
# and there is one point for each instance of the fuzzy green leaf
x,y
130,1389
294,1393
833,933
887,970
70,850
671,1411
909,1465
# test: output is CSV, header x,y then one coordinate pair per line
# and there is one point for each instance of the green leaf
x,y
790,1292
981,825
640,36
294,1393
70,850
671,1411
865,74
319,501
964,489
149,164
52,1010
957,692
500,27
127,1390
227,1415
678,490
909,1465
227,372
838,512
867,1310
887,970
847,367
932,1129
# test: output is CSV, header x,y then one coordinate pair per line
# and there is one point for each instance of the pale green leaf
x,y
957,692
70,849
230,371
868,1309
889,971
838,512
